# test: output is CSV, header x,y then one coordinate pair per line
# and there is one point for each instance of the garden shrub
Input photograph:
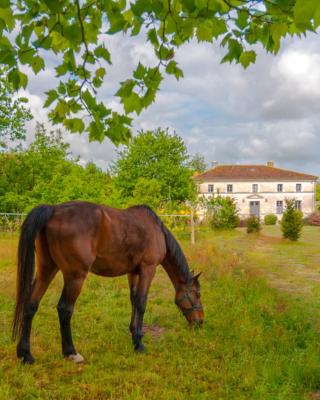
x,y
292,221
270,219
222,213
253,224
314,219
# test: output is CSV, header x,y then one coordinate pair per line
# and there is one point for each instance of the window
x,y
280,187
255,188
297,204
229,188
210,188
279,207
298,187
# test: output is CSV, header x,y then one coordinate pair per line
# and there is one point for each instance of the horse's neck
x,y
175,274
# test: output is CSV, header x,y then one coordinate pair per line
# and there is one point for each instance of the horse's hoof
x,y
76,358
28,359
140,348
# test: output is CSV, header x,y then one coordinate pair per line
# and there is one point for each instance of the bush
x,y
314,219
222,213
253,224
270,219
292,221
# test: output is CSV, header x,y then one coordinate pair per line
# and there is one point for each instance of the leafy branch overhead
x,y
74,32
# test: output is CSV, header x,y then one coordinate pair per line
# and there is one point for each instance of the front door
x,y
255,208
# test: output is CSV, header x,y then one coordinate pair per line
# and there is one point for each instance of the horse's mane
x,y
174,251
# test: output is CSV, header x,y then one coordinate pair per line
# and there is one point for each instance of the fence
x,y
11,222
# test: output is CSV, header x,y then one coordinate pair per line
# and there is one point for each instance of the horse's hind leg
x,y
46,271
72,287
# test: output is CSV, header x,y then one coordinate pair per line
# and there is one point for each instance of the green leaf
x,y
18,79
74,125
132,103
247,57
89,99
140,71
304,11
242,19
52,95
173,69
6,15
37,64
102,52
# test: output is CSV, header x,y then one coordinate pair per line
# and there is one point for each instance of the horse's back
x,y
106,240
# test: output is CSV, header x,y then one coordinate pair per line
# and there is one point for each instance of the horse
x,y
80,237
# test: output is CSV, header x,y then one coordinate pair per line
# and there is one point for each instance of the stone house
x,y
259,189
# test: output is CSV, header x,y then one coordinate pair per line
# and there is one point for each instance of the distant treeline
x,y
155,169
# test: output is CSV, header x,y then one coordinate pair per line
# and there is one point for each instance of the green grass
x,y
259,340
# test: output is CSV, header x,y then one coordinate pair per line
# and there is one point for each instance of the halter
x,y
186,295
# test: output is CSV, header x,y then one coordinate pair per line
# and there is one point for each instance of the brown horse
x,y
81,237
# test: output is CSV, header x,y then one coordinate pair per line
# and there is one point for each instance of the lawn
x,y
259,340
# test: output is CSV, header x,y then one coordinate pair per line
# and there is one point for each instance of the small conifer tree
x,y
292,221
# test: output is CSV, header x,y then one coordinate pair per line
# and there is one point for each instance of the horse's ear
x,y
196,277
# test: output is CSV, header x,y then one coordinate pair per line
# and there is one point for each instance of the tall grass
x,y
256,342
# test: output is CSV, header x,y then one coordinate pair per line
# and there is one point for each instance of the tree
x,y
222,213
156,156
318,195
13,113
198,164
147,191
292,221
46,173
72,31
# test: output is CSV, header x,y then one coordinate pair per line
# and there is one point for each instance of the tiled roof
x,y
252,172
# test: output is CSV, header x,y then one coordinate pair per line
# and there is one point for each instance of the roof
x,y
252,172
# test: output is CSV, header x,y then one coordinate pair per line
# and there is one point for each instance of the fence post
x,y
192,225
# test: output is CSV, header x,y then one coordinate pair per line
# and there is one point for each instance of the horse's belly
x,y
104,268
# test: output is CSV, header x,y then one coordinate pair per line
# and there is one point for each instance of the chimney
x,y
270,163
214,164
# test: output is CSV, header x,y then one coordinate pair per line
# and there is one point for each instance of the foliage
x,y
314,219
156,156
222,213
292,221
13,113
270,219
318,196
74,33
45,173
198,164
253,224
147,191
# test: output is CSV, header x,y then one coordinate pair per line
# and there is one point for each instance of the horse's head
x,y
188,300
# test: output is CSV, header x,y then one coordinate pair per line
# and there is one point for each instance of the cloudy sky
x,y
271,111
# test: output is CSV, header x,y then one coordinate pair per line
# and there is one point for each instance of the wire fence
x,y
11,222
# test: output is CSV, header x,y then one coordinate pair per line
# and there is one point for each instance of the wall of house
x,y
267,194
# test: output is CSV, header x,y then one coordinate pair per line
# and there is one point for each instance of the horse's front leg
x,y
146,274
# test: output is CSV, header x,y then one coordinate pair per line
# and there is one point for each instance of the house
x,y
259,189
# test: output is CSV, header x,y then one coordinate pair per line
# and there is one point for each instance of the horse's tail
x,y
35,221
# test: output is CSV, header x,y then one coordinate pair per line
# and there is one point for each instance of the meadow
x,y
260,339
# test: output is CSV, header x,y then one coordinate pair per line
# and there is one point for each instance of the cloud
x,y
269,111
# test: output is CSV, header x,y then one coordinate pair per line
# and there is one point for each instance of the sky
x,y
270,111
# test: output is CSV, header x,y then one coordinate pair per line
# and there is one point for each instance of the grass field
x,y
260,339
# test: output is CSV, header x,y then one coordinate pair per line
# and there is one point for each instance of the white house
x,y
259,189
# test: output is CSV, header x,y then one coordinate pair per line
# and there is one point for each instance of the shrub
x,y
314,219
292,221
270,219
253,224
222,213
